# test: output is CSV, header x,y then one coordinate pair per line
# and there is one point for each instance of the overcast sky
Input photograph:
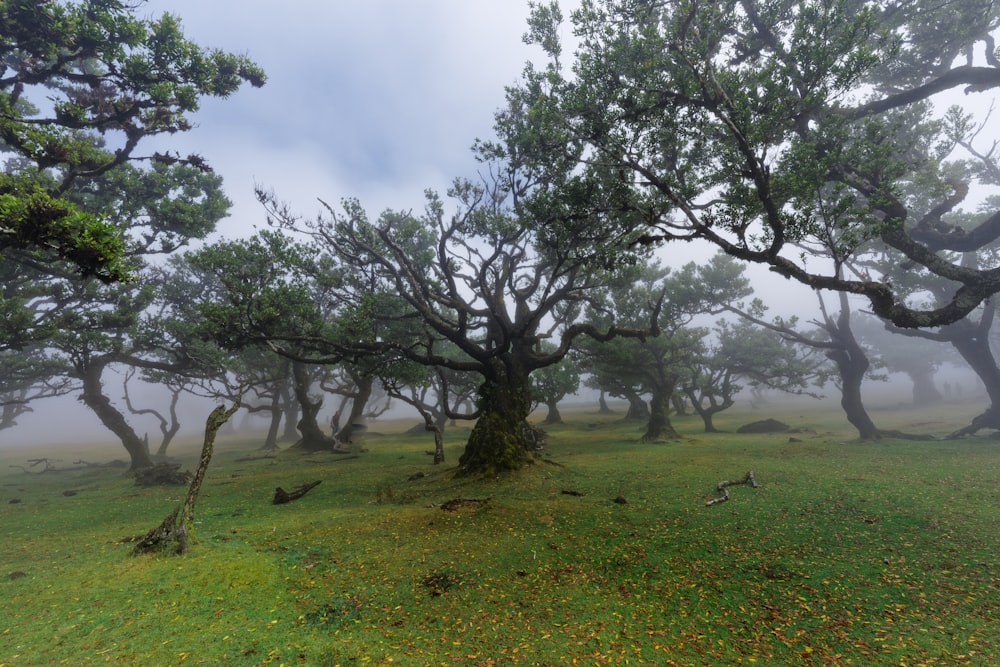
x,y
374,99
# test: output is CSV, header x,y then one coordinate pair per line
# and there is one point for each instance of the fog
x,y
378,100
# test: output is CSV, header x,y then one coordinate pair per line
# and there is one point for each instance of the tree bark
x,y
659,427
602,404
553,416
281,496
708,412
93,397
497,443
972,342
852,364
271,440
312,439
173,533
637,408
363,392
289,409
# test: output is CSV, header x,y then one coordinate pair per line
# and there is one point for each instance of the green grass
x,y
848,553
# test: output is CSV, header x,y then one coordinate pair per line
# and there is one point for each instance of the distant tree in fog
x,y
918,358
553,383
742,356
656,367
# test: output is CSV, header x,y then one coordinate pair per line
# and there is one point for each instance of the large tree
x,y
81,85
744,123
475,281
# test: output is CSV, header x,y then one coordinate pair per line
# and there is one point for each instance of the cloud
x,y
376,99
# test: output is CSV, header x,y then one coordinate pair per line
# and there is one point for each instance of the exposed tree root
x,y
988,419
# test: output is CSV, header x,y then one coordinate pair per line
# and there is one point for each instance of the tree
x,y
108,79
918,359
94,325
743,123
745,355
552,384
474,280
28,375
267,292
657,366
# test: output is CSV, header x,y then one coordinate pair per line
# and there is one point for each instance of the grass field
x,y
848,553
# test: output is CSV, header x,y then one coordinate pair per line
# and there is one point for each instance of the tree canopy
x,y
81,85
754,126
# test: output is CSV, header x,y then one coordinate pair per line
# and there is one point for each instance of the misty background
x,y
374,99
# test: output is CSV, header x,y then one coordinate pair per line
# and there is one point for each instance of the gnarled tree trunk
x,y
312,437
637,408
173,534
93,397
553,416
972,342
359,401
659,427
497,443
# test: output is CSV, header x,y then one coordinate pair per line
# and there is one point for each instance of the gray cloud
x,y
376,99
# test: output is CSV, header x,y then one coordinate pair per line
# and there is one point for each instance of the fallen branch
x,y
721,486
281,496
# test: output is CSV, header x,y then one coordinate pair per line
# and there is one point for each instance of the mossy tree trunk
x,y
173,534
659,427
497,442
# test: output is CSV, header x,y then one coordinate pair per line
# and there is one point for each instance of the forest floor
x,y
602,552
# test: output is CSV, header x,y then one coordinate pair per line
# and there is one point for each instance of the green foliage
x,y
111,79
776,131
846,554
556,381
34,221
